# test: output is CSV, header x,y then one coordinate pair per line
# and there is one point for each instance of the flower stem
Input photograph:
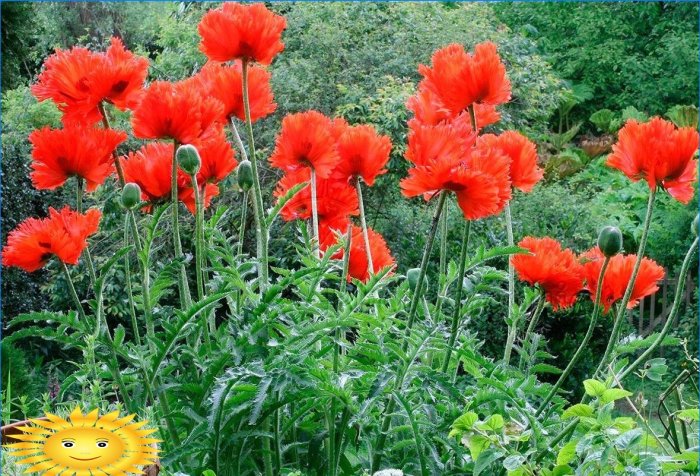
x,y
343,287
456,312
79,208
584,342
129,288
314,215
244,218
145,280
534,319
512,324
185,298
671,317
261,227
617,327
73,293
363,221
199,255
117,161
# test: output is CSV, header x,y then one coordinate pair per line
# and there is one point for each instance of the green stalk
x,y
617,327
185,298
534,319
261,227
73,293
343,287
145,280
117,161
671,317
458,295
199,255
584,342
267,451
314,215
244,217
512,325
363,221
79,208
129,288
386,422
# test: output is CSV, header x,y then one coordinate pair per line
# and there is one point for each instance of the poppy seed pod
x,y
188,159
245,175
412,276
610,241
695,225
131,195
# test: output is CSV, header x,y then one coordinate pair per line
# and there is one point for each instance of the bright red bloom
x,y
247,32
177,111
359,264
78,80
73,151
337,201
151,168
306,140
659,153
363,153
445,160
225,83
557,271
617,277
429,110
524,172
460,79
218,158
62,234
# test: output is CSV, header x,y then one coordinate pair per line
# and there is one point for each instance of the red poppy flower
x,y
225,83
178,111
363,153
444,161
429,110
524,172
73,151
62,234
358,266
659,153
78,80
557,271
460,79
617,277
247,32
151,168
306,140
217,156
337,201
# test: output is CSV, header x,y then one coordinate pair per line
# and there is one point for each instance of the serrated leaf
x,y
594,388
613,394
567,453
578,410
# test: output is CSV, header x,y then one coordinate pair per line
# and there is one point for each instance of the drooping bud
x,y
188,158
610,241
412,276
696,225
245,175
131,195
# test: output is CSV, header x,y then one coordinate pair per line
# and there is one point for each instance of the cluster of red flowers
x,y
562,275
443,143
339,155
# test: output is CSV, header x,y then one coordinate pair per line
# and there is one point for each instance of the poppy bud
x,y
610,241
412,276
695,225
188,159
245,175
131,195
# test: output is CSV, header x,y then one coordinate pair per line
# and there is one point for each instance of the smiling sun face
x,y
85,445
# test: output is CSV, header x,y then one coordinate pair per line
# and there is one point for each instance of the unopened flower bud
x,y
412,275
188,159
610,241
245,175
131,195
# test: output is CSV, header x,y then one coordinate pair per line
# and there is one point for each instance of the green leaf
x,y
628,439
594,388
494,422
513,462
567,453
465,422
546,369
485,459
690,414
578,410
612,394
477,444
282,202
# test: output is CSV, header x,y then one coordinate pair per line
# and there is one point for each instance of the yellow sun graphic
x,y
85,445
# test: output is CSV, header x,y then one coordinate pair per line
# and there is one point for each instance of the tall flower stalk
x,y
512,324
314,215
363,222
79,208
183,287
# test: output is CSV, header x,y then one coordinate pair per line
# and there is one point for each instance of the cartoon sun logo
x,y
85,445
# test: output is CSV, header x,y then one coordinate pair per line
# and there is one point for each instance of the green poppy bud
x,y
610,241
696,224
131,195
245,175
412,276
188,159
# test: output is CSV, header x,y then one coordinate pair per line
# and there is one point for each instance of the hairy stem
x,y
363,222
512,324
129,288
185,298
314,215
584,342
458,295
199,256
534,319
73,293
79,208
117,160
145,280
